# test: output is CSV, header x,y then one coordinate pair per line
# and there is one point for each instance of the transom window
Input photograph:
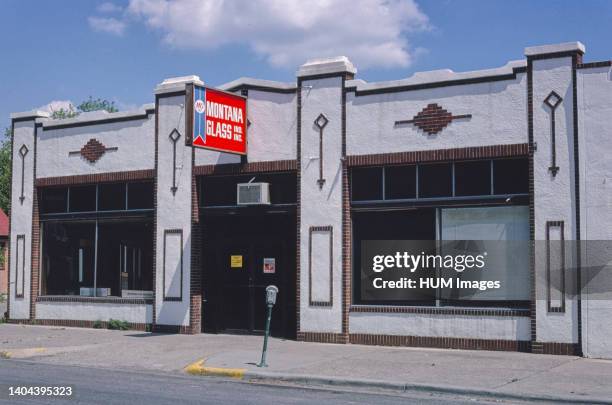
x,y
473,178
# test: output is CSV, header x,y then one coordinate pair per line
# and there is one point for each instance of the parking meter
x,y
271,293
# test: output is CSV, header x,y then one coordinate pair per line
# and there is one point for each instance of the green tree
x,y
64,113
91,104
5,170
97,104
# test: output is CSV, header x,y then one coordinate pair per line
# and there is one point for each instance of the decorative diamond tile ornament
x,y
321,121
433,119
93,150
23,150
175,135
553,100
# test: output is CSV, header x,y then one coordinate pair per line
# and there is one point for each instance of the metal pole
x,y
262,363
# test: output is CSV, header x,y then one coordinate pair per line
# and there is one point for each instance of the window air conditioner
x,y
253,193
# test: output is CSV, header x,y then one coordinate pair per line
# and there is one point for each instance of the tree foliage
x,y
97,104
5,170
91,104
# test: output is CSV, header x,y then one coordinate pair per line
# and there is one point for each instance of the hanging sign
x,y
235,261
219,121
269,265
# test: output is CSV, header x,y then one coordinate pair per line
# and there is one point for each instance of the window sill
x,y
94,300
380,309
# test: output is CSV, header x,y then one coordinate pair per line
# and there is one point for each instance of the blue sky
x,y
120,50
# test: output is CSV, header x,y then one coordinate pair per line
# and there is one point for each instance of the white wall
x,y
595,140
134,140
133,313
271,135
321,207
498,117
469,327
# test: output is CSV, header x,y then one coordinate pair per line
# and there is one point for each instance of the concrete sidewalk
x,y
475,373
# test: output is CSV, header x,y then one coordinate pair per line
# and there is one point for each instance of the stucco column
x,y
321,149
552,97
21,266
173,213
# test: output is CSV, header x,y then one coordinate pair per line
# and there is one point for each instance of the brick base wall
x,y
566,349
76,323
441,342
321,337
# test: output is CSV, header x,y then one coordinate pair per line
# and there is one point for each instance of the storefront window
x,y
436,211
97,247
68,257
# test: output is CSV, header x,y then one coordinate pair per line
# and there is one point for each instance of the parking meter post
x,y
271,292
262,363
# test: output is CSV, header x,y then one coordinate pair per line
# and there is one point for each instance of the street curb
x,y
198,368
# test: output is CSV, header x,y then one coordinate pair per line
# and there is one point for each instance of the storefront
x,y
176,216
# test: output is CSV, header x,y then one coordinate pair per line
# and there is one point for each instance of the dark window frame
x,y
97,216
455,201
492,196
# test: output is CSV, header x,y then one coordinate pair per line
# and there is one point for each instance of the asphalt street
x,y
99,386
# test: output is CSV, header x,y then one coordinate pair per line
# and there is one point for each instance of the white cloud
x,y
109,25
108,7
288,32
56,105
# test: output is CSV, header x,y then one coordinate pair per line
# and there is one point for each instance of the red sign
x,y
219,121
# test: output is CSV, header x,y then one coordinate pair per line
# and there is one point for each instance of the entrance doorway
x,y
245,250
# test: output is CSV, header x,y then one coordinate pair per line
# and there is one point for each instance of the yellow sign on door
x,y
236,261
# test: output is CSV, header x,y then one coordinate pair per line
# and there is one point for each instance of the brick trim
x,y
554,55
146,174
590,65
330,230
154,272
268,89
103,121
22,254
444,83
181,329
476,152
530,136
561,226
346,225
441,342
93,300
298,209
322,337
564,349
71,323
576,60
378,309
35,236
195,280
252,167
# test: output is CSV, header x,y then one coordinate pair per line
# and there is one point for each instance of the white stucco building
x,y
112,218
